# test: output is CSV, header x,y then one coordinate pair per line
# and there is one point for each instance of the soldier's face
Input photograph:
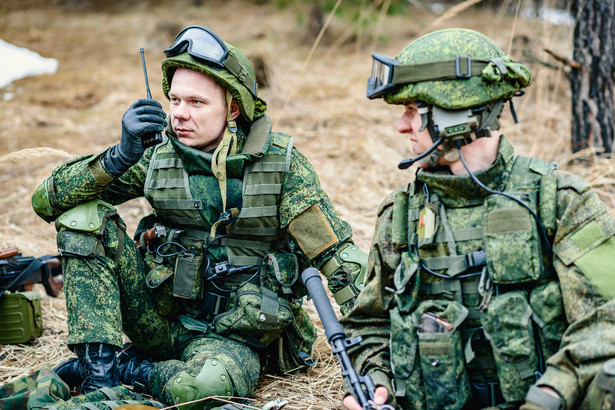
x,y
410,123
198,109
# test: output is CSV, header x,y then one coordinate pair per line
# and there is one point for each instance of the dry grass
x,y
352,142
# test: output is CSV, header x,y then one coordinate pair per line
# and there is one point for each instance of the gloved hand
x,y
144,117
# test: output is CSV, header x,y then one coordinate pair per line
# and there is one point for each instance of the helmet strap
x,y
228,146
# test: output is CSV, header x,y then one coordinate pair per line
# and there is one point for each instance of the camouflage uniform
x,y
471,299
217,333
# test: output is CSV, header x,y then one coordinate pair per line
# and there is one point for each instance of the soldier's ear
x,y
235,109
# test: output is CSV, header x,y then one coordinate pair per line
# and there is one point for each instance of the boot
x,y
98,366
134,370
70,372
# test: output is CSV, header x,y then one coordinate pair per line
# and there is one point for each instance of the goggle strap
x,y
233,66
454,69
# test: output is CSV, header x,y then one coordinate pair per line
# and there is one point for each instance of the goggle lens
x,y
200,43
381,78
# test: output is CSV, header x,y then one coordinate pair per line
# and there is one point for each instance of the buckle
x,y
458,66
473,259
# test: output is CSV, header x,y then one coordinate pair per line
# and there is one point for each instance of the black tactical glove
x,y
143,118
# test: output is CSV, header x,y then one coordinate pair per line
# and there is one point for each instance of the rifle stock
x,y
17,271
361,387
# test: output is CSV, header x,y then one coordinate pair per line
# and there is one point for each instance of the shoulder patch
x,y
567,180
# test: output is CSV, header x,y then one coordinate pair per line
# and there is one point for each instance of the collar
x,y
460,190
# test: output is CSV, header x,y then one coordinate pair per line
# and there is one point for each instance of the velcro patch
x,y
313,232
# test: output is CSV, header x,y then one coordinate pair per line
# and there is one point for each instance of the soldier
x,y
209,287
490,278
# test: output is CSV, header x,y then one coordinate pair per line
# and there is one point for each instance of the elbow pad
x,y
352,259
43,200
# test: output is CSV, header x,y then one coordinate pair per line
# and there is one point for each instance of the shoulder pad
x,y
390,199
280,143
566,180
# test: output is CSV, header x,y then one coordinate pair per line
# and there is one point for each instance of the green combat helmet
x,y
460,80
198,48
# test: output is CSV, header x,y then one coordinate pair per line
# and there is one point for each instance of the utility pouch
x,y
255,316
404,360
446,384
507,324
279,272
157,280
546,303
293,350
188,280
511,234
21,319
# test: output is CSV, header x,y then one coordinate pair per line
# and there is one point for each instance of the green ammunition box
x,y
20,317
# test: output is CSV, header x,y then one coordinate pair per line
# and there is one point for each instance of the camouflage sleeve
x,y
83,179
315,229
584,254
370,318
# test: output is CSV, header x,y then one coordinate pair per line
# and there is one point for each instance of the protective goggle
x,y
204,45
388,73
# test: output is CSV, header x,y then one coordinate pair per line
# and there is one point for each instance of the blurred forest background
x,y
313,60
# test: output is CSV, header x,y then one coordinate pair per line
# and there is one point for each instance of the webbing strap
x,y
109,393
258,189
344,295
170,204
461,235
453,69
259,211
269,305
167,163
167,183
256,231
267,167
244,243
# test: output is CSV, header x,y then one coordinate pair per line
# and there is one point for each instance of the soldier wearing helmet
x,y
208,288
490,276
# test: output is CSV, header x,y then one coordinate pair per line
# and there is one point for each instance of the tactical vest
x,y
477,305
256,231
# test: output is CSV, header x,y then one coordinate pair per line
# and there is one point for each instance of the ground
x,y
315,92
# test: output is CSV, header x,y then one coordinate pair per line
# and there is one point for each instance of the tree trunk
x,y
593,114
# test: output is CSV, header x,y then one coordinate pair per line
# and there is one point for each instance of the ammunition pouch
x,y
509,318
429,366
255,316
510,233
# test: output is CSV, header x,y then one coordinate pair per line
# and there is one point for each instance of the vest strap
x,y
258,189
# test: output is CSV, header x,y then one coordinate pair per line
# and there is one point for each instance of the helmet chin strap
x,y
226,147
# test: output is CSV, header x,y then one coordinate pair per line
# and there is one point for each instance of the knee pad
x,y
212,380
80,229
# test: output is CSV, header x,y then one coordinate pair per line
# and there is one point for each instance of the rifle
x,y
17,271
361,387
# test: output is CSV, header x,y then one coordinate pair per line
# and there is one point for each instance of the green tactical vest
x,y
478,302
256,231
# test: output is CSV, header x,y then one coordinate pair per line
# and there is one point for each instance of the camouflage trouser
x,y
106,295
45,390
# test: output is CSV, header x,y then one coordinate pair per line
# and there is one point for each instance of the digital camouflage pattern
x,y
493,84
105,274
45,390
572,303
